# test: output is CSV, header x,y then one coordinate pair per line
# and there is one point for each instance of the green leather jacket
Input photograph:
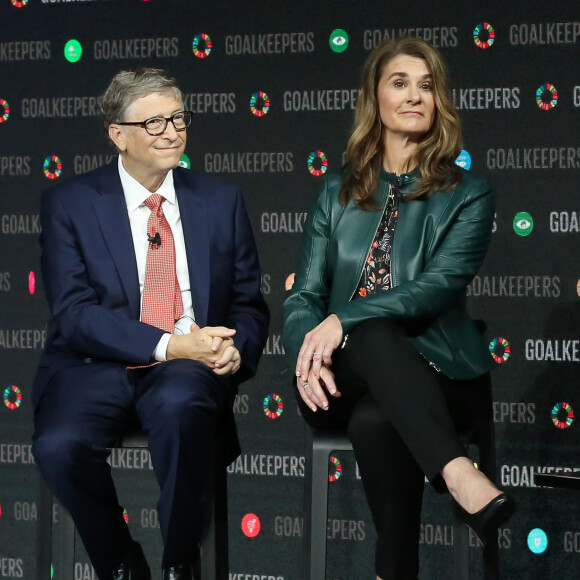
x,y
438,247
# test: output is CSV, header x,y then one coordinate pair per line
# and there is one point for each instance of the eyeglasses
x,y
158,125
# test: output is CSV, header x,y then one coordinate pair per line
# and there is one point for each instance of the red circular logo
x,y
31,283
251,525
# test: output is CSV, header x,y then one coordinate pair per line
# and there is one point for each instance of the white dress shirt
x,y
135,196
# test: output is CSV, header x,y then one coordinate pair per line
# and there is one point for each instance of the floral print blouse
x,y
376,274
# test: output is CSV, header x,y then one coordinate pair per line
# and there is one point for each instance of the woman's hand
x,y
312,390
318,346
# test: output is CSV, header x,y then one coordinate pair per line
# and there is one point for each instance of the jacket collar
x,y
401,182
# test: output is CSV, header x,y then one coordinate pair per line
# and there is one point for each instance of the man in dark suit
x,y
152,278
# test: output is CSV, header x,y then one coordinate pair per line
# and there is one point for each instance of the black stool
x,y
320,444
212,563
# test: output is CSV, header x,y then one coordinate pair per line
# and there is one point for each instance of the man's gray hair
x,y
129,85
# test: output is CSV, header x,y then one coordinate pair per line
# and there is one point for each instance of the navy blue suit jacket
x,y
90,272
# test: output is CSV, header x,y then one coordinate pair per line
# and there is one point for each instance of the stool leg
x,y
221,526
65,556
214,563
490,561
208,549
208,560
319,445
315,507
319,513
460,551
488,466
43,531
307,510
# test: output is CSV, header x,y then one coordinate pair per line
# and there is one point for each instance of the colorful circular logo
x,y
4,111
562,415
273,406
338,40
52,167
201,45
500,349
537,541
184,162
334,469
317,163
484,35
73,50
19,3
523,223
547,97
464,160
260,104
12,397
251,525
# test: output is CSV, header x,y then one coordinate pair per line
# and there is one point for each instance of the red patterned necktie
x,y
162,304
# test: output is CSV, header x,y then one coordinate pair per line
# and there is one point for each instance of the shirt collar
x,y
136,194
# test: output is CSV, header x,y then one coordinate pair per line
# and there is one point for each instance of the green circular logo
x,y
523,223
338,40
185,162
73,50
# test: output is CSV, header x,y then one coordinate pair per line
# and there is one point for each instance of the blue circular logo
x,y
464,160
537,541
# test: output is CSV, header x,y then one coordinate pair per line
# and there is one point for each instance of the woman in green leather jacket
x,y
375,323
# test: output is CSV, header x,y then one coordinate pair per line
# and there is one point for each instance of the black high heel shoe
x,y
487,520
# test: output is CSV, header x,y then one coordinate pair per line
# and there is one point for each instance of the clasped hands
x,y
211,345
313,375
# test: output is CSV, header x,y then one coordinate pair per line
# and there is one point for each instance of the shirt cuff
x,y
160,352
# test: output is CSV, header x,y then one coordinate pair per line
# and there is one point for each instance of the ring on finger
x,y
318,353
305,386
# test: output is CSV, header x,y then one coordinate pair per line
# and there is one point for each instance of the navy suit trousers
x,y
84,411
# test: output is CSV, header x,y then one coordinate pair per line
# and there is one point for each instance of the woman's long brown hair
x,y
435,153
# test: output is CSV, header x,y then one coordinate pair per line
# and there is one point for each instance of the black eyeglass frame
x,y
188,116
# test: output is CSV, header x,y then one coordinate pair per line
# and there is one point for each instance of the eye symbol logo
x,y
184,162
338,40
523,223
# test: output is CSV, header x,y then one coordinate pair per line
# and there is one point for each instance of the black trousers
x,y
84,411
403,418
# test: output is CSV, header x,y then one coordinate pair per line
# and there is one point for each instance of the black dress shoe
x,y
487,520
134,566
184,572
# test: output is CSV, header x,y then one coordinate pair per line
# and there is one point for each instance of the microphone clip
x,y
156,239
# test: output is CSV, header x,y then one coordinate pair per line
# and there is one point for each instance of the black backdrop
x,y
517,87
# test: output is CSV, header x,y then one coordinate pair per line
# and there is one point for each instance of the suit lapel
x,y
194,212
111,211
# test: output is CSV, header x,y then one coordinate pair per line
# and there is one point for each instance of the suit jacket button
x,y
88,360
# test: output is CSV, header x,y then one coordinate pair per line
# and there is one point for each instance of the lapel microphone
x,y
156,239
